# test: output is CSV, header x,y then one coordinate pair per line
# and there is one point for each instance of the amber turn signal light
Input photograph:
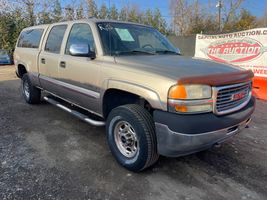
x,y
177,92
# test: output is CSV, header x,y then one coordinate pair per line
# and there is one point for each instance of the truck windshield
x,y
131,39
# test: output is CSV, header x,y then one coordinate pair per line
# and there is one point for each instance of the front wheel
x,y
131,137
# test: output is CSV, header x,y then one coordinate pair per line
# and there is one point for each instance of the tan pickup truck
x,y
131,79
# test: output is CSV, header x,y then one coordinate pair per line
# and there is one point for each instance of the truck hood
x,y
173,66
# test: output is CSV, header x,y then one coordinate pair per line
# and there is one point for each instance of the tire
x,y
31,94
131,137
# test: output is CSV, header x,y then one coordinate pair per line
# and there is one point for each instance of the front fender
x,y
147,93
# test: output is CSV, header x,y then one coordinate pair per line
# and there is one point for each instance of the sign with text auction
x,y
247,49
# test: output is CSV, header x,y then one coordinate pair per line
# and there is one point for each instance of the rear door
x,y
80,74
28,49
49,58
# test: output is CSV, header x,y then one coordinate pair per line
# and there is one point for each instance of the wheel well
x,y
114,98
21,70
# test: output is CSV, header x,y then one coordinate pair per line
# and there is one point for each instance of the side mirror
x,y
81,50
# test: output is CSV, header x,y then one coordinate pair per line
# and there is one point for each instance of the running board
x,y
75,113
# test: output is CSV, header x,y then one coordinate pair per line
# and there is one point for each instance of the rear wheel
x,y
131,137
30,93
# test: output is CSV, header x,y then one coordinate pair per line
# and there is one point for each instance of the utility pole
x,y
219,6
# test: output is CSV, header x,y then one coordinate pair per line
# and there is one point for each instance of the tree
x,y
92,9
262,22
245,21
6,6
202,21
123,15
80,12
20,22
190,18
159,22
133,14
148,18
57,12
7,26
230,9
182,12
69,13
30,6
44,15
113,13
103,12
205,25
11,24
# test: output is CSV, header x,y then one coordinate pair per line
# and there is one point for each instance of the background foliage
x,y
186,17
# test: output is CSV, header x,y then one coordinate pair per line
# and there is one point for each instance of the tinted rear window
x,y
55,38
30,38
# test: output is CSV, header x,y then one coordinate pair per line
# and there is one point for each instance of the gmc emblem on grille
x,y
238,96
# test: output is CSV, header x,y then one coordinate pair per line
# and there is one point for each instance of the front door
x,y
80,74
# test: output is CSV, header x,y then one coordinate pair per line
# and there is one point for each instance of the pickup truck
x,y
131,79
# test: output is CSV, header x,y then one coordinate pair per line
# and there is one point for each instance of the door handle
x,y
62,64
42,60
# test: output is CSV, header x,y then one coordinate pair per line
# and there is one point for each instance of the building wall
x,y
186,44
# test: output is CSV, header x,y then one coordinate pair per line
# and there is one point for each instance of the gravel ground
x,y
46,153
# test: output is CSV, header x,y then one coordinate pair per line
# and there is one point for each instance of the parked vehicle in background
x,y
5,58
130,78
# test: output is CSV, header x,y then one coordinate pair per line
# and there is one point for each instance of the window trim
x,y
69,32
45,43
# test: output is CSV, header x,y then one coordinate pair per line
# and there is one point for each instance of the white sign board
x,y
247,49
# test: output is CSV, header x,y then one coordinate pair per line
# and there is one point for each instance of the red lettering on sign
x,y
235,51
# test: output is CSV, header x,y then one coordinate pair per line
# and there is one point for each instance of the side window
x,y
30,38
55,38
80,34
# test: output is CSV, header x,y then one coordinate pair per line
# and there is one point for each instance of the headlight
x,y
190,98
190,92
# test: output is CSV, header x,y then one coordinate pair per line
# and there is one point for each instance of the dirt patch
x,y
7,72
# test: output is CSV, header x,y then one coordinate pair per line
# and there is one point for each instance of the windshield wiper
x,y
135,51
167,52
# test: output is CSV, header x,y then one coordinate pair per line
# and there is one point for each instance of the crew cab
x,y
131,79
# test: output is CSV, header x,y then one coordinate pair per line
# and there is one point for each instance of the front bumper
x,y
179,135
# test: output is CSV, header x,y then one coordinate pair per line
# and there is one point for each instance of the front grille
x,y
232,97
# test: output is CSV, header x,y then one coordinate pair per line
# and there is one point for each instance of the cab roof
x,y
94,20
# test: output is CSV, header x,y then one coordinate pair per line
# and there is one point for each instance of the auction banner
x,y
247,49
